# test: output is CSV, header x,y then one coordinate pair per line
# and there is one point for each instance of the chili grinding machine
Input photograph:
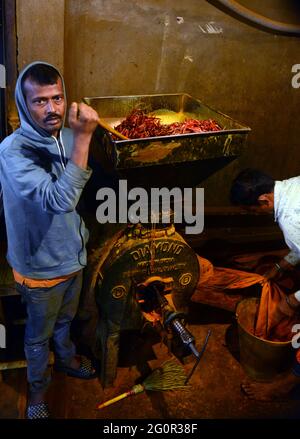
x,y
145,271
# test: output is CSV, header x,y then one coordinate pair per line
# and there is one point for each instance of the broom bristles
x,y
167,377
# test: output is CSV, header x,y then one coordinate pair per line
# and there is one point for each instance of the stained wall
x,y
118,47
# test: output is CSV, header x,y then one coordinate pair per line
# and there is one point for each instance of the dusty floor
x,y
214,390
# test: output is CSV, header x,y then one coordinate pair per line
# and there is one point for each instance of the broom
x,y
167,377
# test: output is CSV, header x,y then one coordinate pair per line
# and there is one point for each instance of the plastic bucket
x,y
261,359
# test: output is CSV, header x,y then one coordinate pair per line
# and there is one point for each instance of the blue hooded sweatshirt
x,y
41,187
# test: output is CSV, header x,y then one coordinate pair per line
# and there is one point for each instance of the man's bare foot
x,y
277,389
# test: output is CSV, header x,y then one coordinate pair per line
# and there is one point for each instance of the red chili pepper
x,y
138,125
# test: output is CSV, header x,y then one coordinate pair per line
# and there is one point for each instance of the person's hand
x,y
83,119
288,305
273,274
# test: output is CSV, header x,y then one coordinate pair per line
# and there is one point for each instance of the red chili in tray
x,y
138,125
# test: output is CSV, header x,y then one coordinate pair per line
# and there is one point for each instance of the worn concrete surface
x,y
214,390
40,32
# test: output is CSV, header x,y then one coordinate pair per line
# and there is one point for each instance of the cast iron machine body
x,y
127,275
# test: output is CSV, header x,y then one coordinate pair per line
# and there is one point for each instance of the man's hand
x,y
288,305
273,274
83,119
276,272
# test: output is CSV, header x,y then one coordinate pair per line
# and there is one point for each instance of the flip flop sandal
x,y
38,411
85,370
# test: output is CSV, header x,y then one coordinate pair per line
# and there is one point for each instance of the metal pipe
x,y
198,355
254,18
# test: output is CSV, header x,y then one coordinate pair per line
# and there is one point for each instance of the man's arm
x,y
278,269
290,227
290,304
291,231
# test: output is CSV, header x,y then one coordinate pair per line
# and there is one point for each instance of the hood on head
x,y
24,115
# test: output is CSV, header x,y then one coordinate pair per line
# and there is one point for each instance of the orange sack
x,y
271,324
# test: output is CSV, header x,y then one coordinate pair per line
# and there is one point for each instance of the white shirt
x,y
287,214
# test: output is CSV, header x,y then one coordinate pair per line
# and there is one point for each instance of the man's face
x,y
46,104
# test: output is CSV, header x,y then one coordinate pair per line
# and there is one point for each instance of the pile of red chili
x,y
139,125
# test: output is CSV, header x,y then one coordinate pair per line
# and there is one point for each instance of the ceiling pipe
x,y
254,18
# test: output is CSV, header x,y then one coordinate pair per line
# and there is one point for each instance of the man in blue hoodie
x,y
43,170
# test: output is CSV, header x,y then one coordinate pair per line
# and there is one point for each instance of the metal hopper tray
x,y
173,150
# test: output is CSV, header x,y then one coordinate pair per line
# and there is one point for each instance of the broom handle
x,y
134,391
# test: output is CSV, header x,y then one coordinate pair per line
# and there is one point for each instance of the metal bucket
x,y
261,359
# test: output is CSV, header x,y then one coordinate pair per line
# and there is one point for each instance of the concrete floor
x,y
214,390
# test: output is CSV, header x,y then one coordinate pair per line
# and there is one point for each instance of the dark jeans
x,y
50,312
